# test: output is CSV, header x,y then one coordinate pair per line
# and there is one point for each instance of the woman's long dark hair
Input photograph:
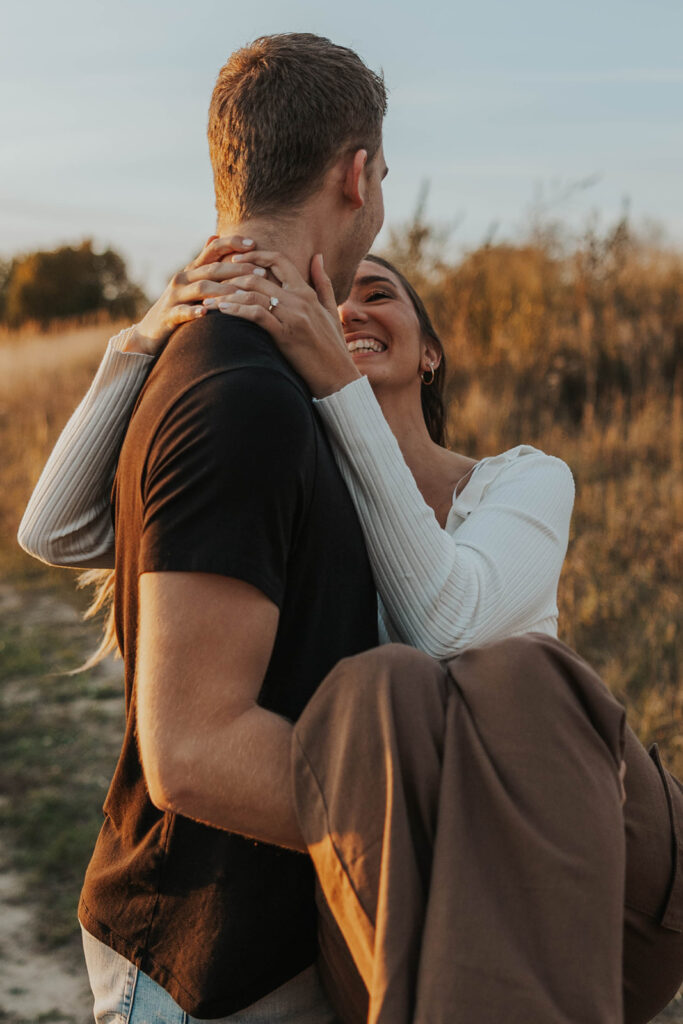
x,y
432,395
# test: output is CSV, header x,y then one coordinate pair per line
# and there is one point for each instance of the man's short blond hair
x,y
283,109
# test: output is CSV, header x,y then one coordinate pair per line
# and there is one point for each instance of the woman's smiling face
x,y
382,330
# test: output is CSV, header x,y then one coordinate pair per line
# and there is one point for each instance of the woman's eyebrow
x,y
373,279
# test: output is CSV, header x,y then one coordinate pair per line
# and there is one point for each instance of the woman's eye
x,y
373,296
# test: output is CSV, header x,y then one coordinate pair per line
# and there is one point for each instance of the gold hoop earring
x,y
423,376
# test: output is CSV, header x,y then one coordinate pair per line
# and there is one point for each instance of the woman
x,y
463,553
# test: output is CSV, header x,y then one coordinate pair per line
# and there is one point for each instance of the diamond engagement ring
x,y
273,303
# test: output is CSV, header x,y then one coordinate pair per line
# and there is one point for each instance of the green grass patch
x,y
51,1017
59,739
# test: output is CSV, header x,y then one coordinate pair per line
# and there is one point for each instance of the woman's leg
x,y
653,915
367,764
529,851
489,890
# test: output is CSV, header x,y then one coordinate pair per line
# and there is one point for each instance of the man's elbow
x,y
161,795
169,776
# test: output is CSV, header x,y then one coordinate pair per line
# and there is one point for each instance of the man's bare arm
x,y
208,751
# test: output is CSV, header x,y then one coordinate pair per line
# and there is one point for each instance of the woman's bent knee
x,y
393,673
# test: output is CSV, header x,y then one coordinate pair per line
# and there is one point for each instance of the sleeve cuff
x,y
119,340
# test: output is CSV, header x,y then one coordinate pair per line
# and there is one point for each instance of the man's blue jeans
x,y
125,995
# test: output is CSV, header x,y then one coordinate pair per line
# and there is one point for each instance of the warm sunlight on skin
x,y
382,330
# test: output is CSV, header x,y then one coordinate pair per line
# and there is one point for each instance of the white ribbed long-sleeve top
x,y
491,573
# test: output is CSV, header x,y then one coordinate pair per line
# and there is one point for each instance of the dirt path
x,y
43,981
34,985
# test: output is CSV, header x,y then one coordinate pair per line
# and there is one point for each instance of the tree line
x,y
71,281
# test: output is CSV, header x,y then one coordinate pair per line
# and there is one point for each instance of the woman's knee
x,y
392,673
536,678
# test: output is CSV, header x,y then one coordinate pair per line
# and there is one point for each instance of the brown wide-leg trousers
x,y
473,855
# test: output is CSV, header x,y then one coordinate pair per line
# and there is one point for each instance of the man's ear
x,y
354,183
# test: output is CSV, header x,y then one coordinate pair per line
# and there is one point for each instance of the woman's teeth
x,y
365,345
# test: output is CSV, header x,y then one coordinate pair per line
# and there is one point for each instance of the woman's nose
x,y
351,312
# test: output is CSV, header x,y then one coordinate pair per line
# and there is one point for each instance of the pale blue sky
x,y
103,113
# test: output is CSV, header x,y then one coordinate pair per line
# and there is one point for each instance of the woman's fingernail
x,y
239,294
227,307
247,241
259,272
210,303
198,311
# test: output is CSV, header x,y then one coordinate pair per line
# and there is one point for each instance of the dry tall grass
x,y
42,379
577,352
620,591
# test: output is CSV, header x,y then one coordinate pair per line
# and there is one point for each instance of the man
x,y
242,578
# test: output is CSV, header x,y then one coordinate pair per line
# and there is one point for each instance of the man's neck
x,y
290,236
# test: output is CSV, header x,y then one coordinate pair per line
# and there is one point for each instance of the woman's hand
x,y
301,320
181,300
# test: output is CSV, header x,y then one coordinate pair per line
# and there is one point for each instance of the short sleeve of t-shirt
x,y
227,479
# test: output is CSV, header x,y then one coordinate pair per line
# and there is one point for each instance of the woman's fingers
x,y
255,311
242,298
280,267
212,281
323,285
221,272
182,313
244,289
217,248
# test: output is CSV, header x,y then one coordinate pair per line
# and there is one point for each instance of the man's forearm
x,y
237,777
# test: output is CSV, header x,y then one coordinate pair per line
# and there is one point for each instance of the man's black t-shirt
x,y
225,469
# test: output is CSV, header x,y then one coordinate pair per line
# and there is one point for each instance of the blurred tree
x,y
70,281
5,271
